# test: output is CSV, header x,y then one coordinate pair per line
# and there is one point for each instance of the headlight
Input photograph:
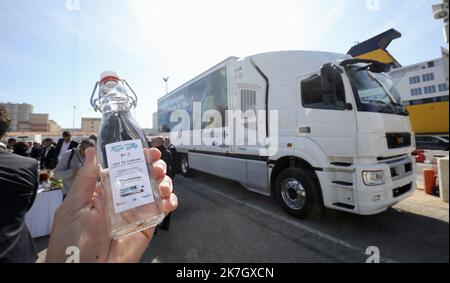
x,y
373,178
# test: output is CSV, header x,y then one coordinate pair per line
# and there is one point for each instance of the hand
x,y
81,220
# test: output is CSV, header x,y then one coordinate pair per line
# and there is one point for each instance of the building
x,y
424,88
90,124
39,122
19,113
24,120
53,127
24,126
36,123
445,61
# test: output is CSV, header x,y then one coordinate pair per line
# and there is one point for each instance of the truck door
x,y
330,121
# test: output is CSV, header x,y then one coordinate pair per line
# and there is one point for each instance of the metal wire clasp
x,y
95,101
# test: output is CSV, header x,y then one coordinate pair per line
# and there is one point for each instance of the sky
x,y
53,51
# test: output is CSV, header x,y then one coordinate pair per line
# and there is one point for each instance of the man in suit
x,y
65,144
18,188
11,143
175,162
34,150
49,158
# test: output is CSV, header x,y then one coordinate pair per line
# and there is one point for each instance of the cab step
x,y
343,184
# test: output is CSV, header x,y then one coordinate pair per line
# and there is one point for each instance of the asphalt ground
x,y
220,221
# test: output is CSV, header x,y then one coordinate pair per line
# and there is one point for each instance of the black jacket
x,y
50,160
36,152
73,144
175,162
18,188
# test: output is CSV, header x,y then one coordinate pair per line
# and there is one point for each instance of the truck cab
x,y
341,121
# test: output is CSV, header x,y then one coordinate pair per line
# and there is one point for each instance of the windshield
x,y
389,86
374,92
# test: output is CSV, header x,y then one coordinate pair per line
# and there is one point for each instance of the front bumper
x,y
399,185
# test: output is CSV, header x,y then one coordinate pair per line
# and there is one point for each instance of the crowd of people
x,y
73,162
47,153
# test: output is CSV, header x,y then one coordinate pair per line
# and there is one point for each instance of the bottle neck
x,y
113,97
114,105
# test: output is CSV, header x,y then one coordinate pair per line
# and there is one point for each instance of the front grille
x,y
401,190
398,140
398,171
408,167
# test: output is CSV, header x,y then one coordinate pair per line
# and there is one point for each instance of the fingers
x,y
165,187
153,156
159,169
84,185
98,190
97,198
170,204
169,200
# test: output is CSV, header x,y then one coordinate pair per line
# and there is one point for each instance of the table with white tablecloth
x,y
39,219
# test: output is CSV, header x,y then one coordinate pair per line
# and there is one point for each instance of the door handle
x,y
304,130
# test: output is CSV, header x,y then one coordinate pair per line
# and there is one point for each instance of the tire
x,y
298,193
185,169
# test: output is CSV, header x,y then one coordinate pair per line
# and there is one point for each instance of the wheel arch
x,y
286,162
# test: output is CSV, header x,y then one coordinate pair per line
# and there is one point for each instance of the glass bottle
x,y
130,191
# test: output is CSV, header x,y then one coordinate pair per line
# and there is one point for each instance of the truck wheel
x,y
298,193
184,166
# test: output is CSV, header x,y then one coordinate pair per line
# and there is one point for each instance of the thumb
x,y
84,184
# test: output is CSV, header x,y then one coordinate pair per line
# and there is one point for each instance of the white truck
x,y
343,139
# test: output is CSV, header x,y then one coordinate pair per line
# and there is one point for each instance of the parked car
x,y
432,143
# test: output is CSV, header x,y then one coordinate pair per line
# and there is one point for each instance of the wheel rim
x,y
184,165
293,194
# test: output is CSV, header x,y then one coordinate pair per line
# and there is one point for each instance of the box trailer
x,y
330,130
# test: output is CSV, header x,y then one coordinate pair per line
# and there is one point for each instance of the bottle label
x,y
128,173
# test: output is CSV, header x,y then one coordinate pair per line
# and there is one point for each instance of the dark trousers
x,y
166,222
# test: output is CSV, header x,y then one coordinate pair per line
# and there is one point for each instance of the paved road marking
x,y
287,220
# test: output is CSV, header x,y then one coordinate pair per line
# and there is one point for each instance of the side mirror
x,y
329,74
